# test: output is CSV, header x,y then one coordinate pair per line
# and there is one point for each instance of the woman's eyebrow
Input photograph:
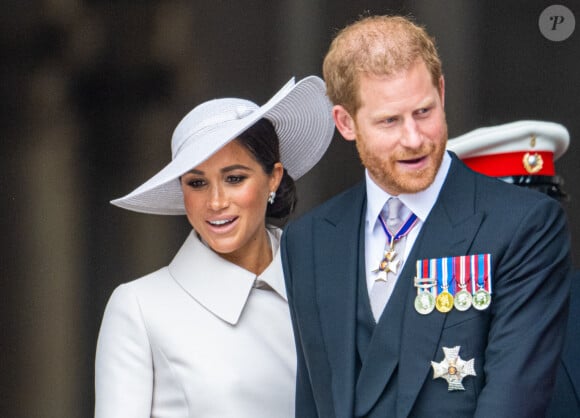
x,y
223,170
235,167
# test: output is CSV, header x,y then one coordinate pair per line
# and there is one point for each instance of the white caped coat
x,y
197,339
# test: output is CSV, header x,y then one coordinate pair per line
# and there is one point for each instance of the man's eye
x,y
423,112
390,121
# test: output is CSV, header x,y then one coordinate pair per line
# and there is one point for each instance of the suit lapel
x,y
337,268
448,231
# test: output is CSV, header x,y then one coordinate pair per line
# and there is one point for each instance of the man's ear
x,y
442,91
344,122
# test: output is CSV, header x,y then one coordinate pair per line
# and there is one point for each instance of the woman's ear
x,y
276,176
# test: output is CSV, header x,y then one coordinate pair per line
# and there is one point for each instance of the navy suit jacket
x,y
515,343
566,400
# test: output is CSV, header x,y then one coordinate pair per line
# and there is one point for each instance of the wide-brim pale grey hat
x,y
301,115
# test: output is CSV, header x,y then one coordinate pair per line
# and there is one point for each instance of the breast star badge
x,y
453,369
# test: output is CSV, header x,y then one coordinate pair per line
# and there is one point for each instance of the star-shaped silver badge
x,y
453,369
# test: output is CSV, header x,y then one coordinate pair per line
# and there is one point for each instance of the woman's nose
x,y
217,198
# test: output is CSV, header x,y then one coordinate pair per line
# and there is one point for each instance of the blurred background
x,y
91,91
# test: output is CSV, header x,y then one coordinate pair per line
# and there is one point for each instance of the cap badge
x,y
533,162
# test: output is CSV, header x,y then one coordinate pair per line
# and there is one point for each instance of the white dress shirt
x,y
419,203
197,339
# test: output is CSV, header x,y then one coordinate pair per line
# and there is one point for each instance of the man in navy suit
x,y
566,400
427,290
504,151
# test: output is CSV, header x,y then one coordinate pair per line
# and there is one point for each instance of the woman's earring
x,y
271,197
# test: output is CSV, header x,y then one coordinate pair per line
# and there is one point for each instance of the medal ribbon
x,y
481,272
448,274
488,271
424,282
403,230
462,271
444,269
472,272
434,273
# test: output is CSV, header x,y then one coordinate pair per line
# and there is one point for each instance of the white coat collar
x,y
218,285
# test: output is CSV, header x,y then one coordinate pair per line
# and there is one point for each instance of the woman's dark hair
x,y
263,143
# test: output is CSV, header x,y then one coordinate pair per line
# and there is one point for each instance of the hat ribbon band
x,y
208,124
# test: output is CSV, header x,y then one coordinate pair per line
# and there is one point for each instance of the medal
x,y
426,288
425,300
453,282
453,369
481,299
390,263
462,301
481,269
444,301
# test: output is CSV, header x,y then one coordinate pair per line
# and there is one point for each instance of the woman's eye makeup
x,y
195,183
234,179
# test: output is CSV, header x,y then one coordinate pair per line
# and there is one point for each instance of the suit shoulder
x,y
496,190
526,197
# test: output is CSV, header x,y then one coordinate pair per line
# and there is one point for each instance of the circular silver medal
x,y
481,299
462,300
424,302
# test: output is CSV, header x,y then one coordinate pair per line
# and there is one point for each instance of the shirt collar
x,y
218,285
419,203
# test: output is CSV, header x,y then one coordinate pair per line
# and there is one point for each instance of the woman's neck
x,y
255,257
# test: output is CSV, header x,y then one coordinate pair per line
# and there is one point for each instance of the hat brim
x,y
301,115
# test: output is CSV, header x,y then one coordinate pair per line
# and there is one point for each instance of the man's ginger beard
x,y
385,173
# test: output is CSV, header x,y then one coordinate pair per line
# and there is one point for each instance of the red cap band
x,y
540,163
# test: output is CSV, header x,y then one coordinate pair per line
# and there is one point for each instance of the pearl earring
x,y
271,197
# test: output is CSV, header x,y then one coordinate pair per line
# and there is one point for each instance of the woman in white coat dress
x,y
210,334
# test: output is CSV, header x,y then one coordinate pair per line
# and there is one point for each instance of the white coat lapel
x,y
218,285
